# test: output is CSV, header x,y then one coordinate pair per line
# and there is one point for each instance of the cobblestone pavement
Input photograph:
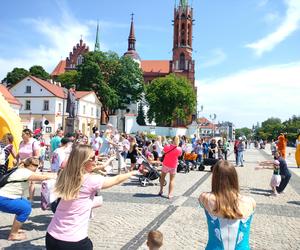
x,y
130,211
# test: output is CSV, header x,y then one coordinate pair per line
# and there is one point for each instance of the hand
x,y
141,169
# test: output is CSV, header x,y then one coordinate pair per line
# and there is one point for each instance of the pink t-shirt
x,y
171,158
70,221
26,150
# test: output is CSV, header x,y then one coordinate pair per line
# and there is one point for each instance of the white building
x,y
44,105
13,102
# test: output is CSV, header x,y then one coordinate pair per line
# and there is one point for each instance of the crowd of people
x,y
75,157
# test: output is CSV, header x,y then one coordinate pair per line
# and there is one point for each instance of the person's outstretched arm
x,y
112,181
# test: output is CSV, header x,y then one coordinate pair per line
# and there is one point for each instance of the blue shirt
x,y
228,234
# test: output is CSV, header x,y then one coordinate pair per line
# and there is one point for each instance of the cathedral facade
x,y
181,64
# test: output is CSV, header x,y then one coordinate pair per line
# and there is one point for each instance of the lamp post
x,y
198,116
213,118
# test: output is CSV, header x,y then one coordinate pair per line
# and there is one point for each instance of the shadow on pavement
x,y
4,233
143,195
265,192
26,245
294,202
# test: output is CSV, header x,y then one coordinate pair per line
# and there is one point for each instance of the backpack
x,y
3,159
4,178
47,193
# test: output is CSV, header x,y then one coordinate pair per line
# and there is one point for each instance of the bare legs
x,y
16,233
162,181
171,184
31,190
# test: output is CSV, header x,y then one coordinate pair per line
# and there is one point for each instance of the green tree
x,y
292,128
16,75
270,129
68,78
116,81
247,132
39,72
140,119
169,98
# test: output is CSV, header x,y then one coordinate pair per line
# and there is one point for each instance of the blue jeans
x,y
240,158
20,207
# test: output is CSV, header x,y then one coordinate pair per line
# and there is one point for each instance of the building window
x,y
79,60
27,105
59,107
28,89
46,105
48,129
92,111
83,109
97,112
182,62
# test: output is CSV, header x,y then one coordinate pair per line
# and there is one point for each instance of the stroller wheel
x,y
144,181
201,167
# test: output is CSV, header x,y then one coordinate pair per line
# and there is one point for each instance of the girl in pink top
x,y
77,186
170,162
28,147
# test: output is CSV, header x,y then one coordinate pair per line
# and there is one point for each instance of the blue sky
x,y
247,53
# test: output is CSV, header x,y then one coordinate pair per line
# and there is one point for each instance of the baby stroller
x,y
150,172
208,162
183,166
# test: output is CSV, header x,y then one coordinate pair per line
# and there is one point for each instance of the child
x,y
155,240
276,178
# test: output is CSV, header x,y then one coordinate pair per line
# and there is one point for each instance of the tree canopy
x,y
140,119
169,98
272,127
117,81
39,72
68,78
16,75
243,132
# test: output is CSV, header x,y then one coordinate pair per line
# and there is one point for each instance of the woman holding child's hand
x,y
76,186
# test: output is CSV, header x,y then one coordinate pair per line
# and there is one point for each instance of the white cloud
x,y
60,38
271,17
262,3
289,25
252,95
217,56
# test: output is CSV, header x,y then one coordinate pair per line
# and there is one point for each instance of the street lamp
x,y
198,116
213,118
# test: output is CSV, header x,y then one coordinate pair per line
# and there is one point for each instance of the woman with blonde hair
x,y
229,214
170,162
12,194
77,187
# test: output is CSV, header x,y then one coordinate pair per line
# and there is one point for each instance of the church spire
x,y
131,38
131,44
184,3
97,44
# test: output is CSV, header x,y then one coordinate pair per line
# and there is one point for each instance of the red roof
x,y
80,94
59,69
8,96
161,66
52,88
58,91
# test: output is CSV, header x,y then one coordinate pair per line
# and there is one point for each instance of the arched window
x,y
182,62
79,59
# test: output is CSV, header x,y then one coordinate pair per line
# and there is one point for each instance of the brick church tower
x,y
182,62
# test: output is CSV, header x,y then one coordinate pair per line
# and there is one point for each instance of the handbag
x,y
163,156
